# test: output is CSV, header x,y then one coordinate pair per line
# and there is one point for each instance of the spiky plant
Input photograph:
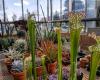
x,y
75,29
32,38
95,58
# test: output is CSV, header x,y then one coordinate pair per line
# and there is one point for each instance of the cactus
x,y
32,37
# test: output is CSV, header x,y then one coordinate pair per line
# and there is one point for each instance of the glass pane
x,y
78,5
1,10
91,8
13,9
42,9
65,8
29,7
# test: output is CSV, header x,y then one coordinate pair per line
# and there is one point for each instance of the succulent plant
x,y
17,66
13,54
20,45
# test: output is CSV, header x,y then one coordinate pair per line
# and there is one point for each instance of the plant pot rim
x,y
17,73
39,66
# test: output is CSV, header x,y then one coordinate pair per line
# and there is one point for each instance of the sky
x,y
14,7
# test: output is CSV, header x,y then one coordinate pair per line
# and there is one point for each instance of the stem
x,y
32,38
94,65
59,55
74,37
44,68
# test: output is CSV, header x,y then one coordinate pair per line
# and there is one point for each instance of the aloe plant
x,y
75,29
95,58
32,37
59,54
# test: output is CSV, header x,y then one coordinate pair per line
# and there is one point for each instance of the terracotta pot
x,y
83,62
18,75
39,70
7,60
8,63
51,68
88,57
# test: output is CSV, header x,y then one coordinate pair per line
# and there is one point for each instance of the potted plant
x,y
39,68
48,48
17,70
17,65
10,54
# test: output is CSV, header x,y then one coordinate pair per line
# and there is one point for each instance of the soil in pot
x,y
65,62
51,68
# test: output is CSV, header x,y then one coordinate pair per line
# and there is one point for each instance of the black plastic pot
x,y
80,77
79,73
78,58
88,67
65,62
98,71
81,53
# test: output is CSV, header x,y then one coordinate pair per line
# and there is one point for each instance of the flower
x,y
75,20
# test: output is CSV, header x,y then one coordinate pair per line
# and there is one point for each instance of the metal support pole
x,y
48,9
3,1
38,9
51,13
85,14
22,9
70,6
51,9
61,9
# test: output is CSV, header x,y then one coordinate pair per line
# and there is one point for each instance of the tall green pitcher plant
x,y
95,57
32,37
75,29
59,53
